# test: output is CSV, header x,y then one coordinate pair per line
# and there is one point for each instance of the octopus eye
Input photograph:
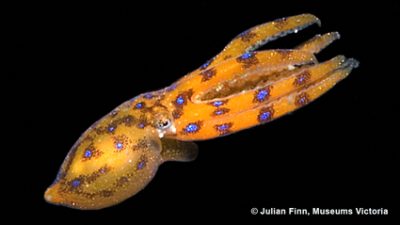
x,y
163,124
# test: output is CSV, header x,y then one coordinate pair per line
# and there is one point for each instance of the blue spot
x,y
139,105
191,128
223,127
218,103
148,95
75,183
244,33
141,125
119,145
246,55
88,153
171,88
141,164
205,65
262,94
180,100
219,112
302,101
60,175
102,170
301,79
111,128
265,116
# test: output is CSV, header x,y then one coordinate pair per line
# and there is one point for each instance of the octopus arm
x,y
283,98
257,36
258,87
318,42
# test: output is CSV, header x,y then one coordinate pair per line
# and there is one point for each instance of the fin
x,y
174,150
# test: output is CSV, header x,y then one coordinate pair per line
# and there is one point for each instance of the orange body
x,y
238,89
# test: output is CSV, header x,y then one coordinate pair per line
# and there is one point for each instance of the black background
x,y
72,64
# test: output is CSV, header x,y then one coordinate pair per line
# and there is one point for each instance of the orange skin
x,y
238,89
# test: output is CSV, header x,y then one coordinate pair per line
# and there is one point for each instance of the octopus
x,y
240,88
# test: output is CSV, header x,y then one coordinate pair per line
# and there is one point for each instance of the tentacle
x,y
262,62
196,94
240,88
318,43
280,84
285,92
257,36
288,103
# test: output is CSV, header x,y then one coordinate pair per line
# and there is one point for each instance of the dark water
x,y
72,64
